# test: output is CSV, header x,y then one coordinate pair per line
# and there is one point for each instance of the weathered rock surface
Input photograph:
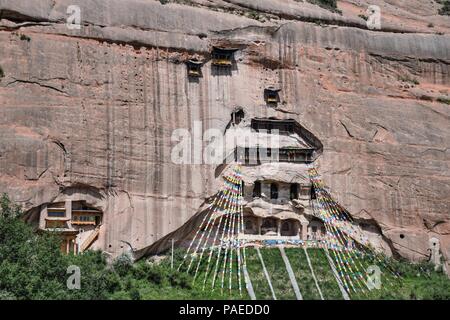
x,y
89,113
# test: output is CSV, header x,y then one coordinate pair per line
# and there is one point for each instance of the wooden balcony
x,y
224,62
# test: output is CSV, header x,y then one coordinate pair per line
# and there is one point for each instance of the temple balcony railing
x,y
257,156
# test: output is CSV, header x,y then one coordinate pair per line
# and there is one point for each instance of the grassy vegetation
x,y
255,15
147,281
277,272
445,10
443,100
324,274
24,37
259,282
363,16
185,2
33,267
327,4
305,280
416,281
409,79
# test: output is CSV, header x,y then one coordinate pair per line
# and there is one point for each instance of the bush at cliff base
x,y
33,267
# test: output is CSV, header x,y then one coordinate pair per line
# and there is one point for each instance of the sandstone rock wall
x,y
90,113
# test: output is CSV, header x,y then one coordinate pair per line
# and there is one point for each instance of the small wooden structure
x,y
73,221
223,57
194,68
253,156
237,116
272,96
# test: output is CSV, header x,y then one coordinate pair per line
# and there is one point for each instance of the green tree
x,y
32,265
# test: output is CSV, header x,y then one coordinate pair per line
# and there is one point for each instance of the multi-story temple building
x,y
77,223
277,191
278,197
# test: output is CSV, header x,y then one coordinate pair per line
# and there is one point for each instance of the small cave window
x,y
271,96
247,156
402,236
289,228
290,128
313,193
222,57
304,192
257,189
56,210
284,127
55,213
237,116
294,191
194,68
250,226
269,225
316,230
83,214
273,191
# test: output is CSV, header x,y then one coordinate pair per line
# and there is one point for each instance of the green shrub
x,y
255,16
157,275
363,16
8,209
443,100
25,37
445,10
98,280
5,295
326,4
135,294
409,79
180,280
122,264
33,267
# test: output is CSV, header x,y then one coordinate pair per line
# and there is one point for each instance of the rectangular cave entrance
x,y
269,227
222,57
272,96
284,127
283,191
194,68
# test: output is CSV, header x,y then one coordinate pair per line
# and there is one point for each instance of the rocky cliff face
x,y
88,114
